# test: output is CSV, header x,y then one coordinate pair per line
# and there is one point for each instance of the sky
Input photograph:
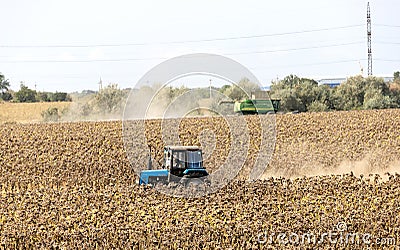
x,y
69,45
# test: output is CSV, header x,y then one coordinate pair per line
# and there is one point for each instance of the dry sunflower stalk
x,y
70,185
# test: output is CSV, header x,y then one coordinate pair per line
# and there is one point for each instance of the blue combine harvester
x,y
182,164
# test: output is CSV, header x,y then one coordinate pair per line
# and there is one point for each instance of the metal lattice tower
x,y
369,41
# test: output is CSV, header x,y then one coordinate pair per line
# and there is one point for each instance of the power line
x,y
308,64
387,25
273,34
294,49
251,68
84,61
182,42
262,67
387,60
163,58
380,42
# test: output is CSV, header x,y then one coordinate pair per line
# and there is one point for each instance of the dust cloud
x,y
365,168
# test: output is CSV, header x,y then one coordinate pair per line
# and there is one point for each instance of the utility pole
x,y
100,85
210,88
369,41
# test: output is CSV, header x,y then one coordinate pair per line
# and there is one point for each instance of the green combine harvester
x,y
257,106
258,103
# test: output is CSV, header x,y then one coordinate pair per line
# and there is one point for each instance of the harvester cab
x,y
183,164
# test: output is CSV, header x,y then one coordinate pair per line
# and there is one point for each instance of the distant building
x,y
334,82
331,82
266,88
388,78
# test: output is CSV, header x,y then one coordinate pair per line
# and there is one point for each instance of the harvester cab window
x,y
179,159
194,159
167,157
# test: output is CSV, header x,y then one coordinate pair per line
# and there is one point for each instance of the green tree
x,y
4,84
242,90
25,94
359,92
42,97
345,97
375,99
377,83
396,75
50,115
377,94
171,93
324,95
289,101
299,93
53,97
318,106
235,93
109,99
248,87
85,109
59,97
394,92
357,85
291,81
224,88
6,96
4,88
356,92
306,91
350,94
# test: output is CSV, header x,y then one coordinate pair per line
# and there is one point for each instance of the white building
x,y
334,82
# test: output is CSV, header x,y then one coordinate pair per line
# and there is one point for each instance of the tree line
x,y
25,94
357,92
295,93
